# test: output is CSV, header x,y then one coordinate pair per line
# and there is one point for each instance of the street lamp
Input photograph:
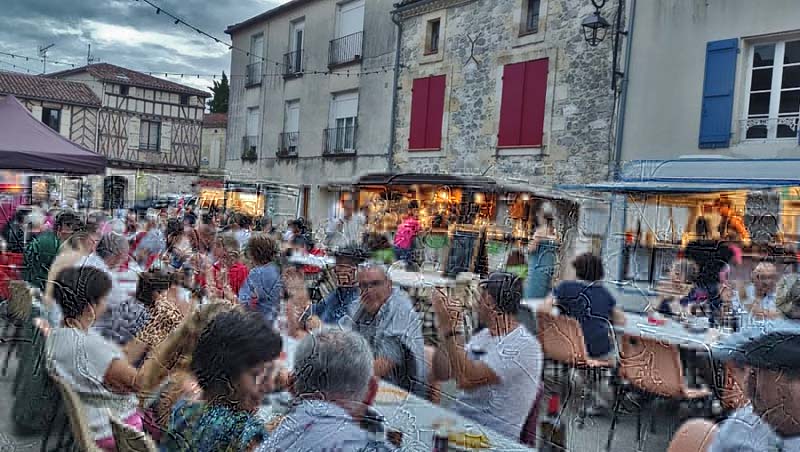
x,y
595,28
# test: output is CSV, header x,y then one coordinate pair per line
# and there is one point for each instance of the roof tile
x,y
117,74
40,88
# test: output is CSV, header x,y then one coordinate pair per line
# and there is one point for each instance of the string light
x,y
28,58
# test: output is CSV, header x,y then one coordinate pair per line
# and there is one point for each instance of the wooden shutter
x,y
523,104
166,137
718,86
433,133
419,114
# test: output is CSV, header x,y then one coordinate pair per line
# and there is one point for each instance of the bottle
x,y
554,438
441,439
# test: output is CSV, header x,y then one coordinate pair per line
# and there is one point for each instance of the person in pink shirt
x,y
406,233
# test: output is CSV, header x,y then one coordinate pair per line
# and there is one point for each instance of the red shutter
x,y
512,104
419,114
433,135
532,132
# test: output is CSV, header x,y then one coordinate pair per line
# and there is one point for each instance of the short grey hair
x,y
334,363
112,244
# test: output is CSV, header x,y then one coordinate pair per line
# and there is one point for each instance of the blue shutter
x,y
718,86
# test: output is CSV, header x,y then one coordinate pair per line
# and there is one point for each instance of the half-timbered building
x,y
149,129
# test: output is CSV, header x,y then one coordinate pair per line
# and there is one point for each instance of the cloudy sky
x,y
124,32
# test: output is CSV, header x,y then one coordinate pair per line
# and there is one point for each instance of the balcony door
x,y
344,112
291,127
296,41
350,18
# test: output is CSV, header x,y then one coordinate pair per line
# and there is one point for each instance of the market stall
x,y
281,202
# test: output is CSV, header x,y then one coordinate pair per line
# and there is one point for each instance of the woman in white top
x,y
95,368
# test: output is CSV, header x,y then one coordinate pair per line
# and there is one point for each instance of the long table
x,y
637,325
415,418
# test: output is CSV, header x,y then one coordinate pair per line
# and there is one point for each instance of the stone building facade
x,y
477,40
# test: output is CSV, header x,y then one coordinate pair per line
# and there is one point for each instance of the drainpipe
x,y
624,95
395,84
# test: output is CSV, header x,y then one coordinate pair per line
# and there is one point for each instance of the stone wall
x,y
579,97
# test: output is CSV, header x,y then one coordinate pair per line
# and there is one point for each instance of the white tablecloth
x,y
419,280
415,418
637,325
314,261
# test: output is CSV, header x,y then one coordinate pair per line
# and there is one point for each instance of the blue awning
x,y
674,187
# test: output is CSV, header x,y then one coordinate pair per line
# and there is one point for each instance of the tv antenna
x,y
89,58
43,55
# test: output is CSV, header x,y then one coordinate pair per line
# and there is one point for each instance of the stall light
x,y
525,197
479,198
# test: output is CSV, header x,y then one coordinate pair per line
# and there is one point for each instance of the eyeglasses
x,y
366,285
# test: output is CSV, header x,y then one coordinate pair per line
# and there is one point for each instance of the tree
x,y
221,90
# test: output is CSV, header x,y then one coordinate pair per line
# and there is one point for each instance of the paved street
x,y
591,438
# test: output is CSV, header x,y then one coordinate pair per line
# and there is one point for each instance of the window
x,y
523,104
254,71
291,128
341,135
185,99
348,44
432,42
427,111
124,90
294,59
530,16
150,135
773,101
52,117
350,18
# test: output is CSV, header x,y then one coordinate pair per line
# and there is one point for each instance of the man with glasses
x,y
500,369
337,303
770,356
384,316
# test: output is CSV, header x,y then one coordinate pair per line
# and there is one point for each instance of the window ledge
x,y
425,153
531,151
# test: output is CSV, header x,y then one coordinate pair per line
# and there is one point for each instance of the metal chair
x,y
128,439
562,341
18,312
77,419
531,426
652,368
695,435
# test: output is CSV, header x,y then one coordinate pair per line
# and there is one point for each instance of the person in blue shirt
x,y
337,304
262,290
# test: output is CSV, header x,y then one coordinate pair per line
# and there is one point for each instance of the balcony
x,y
340,141
253,74
293,64
249,148
347,49
288,144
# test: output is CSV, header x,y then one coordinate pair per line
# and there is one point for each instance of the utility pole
x,y
43,55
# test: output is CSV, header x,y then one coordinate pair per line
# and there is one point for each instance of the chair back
x,y
732,394
529,429
652,366
76,415
21,302
561,338
695,435
128,439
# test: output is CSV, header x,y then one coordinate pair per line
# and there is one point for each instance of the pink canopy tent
x,y
30,145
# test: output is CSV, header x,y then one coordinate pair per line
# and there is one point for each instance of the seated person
x,y
770,355
158,293
385,316
589,302
788,299
499,371
761,294
94,367
674,290
327,411
337,304
233,385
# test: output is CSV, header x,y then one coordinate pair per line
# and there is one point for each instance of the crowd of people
x,y
191,350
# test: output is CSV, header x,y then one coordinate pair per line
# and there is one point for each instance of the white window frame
x,y
774,115
346,6
347,140
147,144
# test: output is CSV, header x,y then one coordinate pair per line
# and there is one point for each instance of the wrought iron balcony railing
x,y
254,73
293,63
340,141
289,142
347,49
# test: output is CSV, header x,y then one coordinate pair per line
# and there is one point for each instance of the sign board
x,y
462,255
762,216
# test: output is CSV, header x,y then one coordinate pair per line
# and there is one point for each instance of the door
x,y
291,126
296,42
351,18
252,121
256,48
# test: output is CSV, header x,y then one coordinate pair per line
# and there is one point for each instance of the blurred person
x,y
675,289
338,303
96,369
228,272
380,249
788,299
75,249
152,240
386,317
762,292
499,371
326,412
233,385
262,289
406,234
769,358
243,233
14,232
159,294
731,226
349,228
42,251
34,223
543,253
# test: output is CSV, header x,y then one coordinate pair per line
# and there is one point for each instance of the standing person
x,y
499,371
350,228
543,253
233,385
228,272
152,242
406,233
263,288
326,411
42,251
770,356
14,232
